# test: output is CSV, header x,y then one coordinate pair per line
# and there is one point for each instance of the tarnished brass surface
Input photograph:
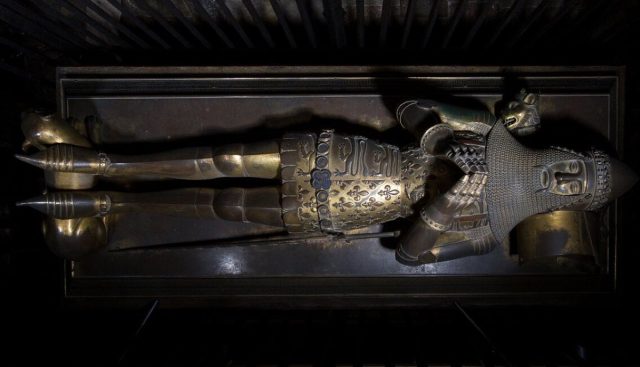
x,y
41,131
298,159
251,205
364,183
69,180
143,107
75,238
558,233
422,177
455,223
259,160
424,118
503,182
331,182
336,183
521,116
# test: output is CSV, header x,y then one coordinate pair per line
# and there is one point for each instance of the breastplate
x,y
334,182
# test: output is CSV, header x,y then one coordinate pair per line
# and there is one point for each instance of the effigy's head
x,y
521,115
587,180
524,181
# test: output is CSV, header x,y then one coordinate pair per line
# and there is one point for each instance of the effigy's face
x,y
569,177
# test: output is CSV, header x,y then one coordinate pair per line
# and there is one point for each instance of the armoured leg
x,y
260,160
255,205
71,164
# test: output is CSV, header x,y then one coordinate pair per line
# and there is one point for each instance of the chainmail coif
x,y
514,189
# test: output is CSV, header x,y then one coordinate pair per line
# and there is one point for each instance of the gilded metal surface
x,y
41,131
75,238
247,205
521,115
127,119
525,181
298,157
454,225
432,122
602,172
504,182
321,181
69,180
417,169
365,184
238,160
559,233
568,177
335,183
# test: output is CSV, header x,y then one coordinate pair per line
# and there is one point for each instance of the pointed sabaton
x,y
71,204
68,158
33,160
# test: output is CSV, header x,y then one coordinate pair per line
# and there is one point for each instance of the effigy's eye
x,y
574,167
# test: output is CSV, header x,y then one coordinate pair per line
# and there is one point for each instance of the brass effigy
x,y
332,183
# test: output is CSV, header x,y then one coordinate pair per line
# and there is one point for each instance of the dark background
x,y
38,35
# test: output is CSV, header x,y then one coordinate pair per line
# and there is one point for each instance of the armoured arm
x,y
417,243
434,123
455,250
